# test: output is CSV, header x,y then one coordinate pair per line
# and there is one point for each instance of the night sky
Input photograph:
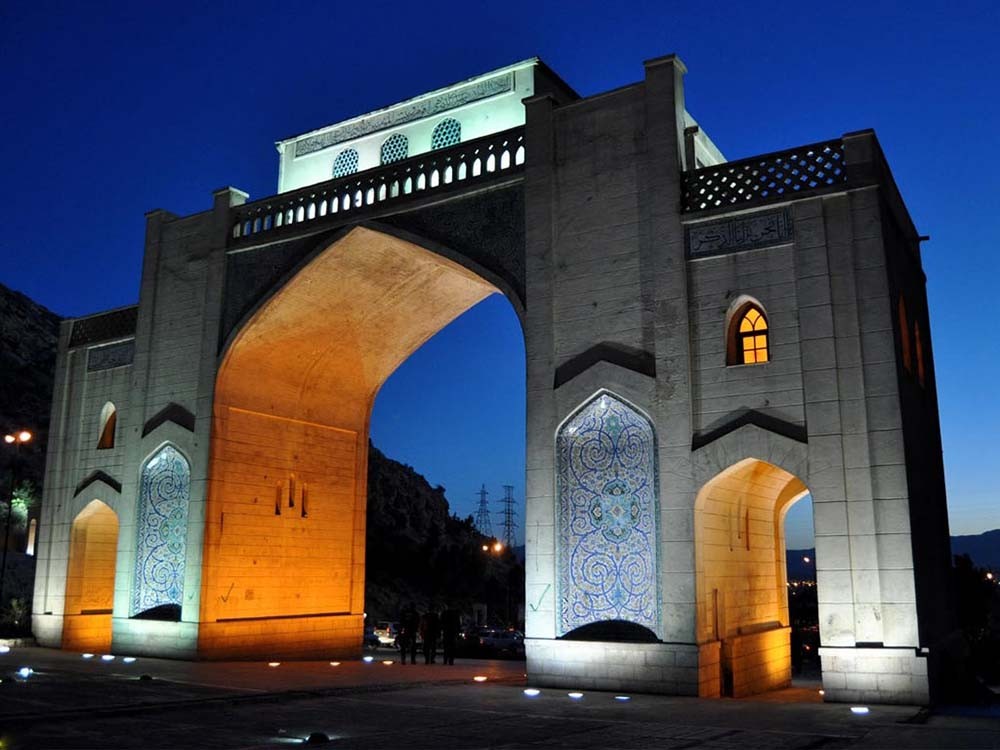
x,y
112,109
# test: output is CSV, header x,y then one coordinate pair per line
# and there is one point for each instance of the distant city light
x,y
532,692
989,576
822,691
485,548
859,710
806,559
497,547
575,696
479,678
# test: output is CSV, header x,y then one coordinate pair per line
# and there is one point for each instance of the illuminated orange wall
x,y
740,575
290,433
90,579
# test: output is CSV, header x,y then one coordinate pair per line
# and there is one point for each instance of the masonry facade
x,y
707,342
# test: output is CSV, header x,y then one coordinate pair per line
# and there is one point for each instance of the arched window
x,y
395,148
904,335
918,347
164,492
446,133
607,517
346,163
748,342
109,420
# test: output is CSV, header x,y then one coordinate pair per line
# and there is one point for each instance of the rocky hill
x,y
28,337
417,551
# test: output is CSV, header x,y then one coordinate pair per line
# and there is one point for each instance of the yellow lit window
x,y
751,337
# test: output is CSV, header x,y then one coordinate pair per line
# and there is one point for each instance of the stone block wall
x,y
598,665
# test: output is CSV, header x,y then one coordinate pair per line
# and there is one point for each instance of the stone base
x,y
874,675
167,640
667,668
47,630
87,633
319,637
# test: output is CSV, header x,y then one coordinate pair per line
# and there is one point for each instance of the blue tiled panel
x,y
607,495
165,489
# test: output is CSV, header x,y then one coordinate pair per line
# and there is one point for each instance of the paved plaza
x,y
72,702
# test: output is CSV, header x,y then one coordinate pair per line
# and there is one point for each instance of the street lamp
x,y
17,439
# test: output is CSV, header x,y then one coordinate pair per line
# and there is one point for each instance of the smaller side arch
x,y
90,578
748,336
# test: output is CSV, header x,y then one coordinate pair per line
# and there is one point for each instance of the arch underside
x,y
741,587
283,564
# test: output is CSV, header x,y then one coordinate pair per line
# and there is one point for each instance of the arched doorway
x,y
741,587
284,550
90,579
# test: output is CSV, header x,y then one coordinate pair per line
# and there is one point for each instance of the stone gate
x,y
707,342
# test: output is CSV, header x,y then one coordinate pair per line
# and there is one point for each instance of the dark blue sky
x,y
112,109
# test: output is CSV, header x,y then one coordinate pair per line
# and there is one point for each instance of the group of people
x,y
430,627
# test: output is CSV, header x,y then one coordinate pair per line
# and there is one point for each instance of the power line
x,y
483,521
509,524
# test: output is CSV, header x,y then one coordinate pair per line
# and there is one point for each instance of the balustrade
x,y
475,161
764,178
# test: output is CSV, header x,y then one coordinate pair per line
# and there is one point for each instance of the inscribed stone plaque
x,y
739,233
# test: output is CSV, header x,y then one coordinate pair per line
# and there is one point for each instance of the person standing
x,y
407,637
449,634
431,627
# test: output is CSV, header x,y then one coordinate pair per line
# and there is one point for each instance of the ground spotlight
x,y
128,659
25,672
479,678
822,691
575,696
108,657
367,659
4,649
623,698
334,663
274,664
387,662
532,692
859,710
87,656
317,738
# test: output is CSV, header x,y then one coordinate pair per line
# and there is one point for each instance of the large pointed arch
x,y
293,399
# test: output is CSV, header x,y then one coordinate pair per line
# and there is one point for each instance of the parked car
x,y
386,632
497,641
